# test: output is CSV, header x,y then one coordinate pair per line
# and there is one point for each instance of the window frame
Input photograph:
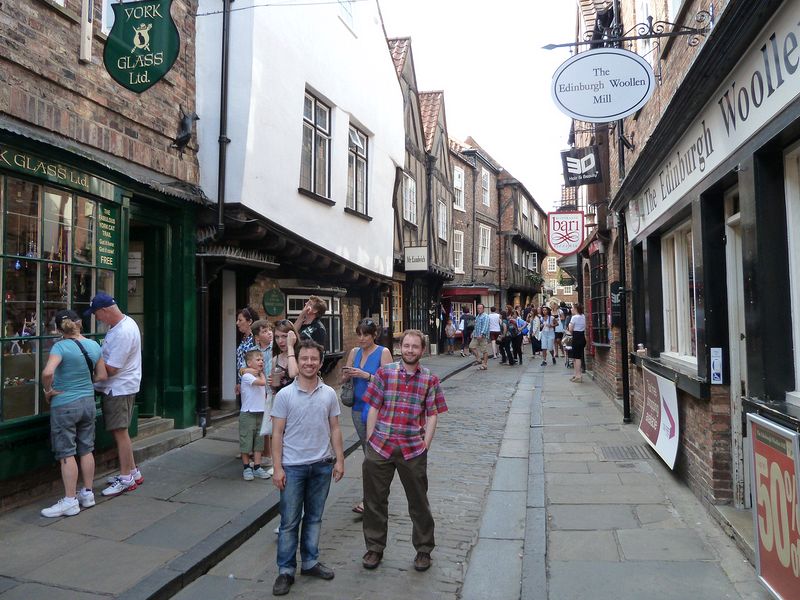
x,y
486,183
409,203
332,319
318,134
552,264
441,219
679,294
488,246
458,251
458,192
357,156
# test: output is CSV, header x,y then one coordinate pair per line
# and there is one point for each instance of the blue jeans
x,y
304,496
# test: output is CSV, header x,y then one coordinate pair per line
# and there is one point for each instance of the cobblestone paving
x,y
460,471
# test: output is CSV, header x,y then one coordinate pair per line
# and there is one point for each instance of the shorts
x,y
493,335
117,411
559,335
250,438
481,344
72,428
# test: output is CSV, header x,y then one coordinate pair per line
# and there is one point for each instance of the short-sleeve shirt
x,y
245,345
315,331
578,322
307,434
254,398
72,376
482,325
404,402
494,322
122,349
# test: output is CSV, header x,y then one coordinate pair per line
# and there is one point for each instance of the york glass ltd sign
x,y
565,231
142,45
602,85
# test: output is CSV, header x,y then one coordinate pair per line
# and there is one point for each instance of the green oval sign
x,y
142,45
274,302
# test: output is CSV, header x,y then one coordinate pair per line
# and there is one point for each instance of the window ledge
x,y
409,223
317,197
460,209
355,213
793,398
600,345
685,380
485,268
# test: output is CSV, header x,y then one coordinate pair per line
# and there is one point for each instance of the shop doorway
x,y
738,347
146,292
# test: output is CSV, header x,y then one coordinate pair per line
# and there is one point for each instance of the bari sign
x,y
142,45
602,85
565,231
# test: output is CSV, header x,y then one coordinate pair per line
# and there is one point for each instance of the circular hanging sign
x,y
273,302
601,85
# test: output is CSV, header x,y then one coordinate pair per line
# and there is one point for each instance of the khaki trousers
x,y
378,473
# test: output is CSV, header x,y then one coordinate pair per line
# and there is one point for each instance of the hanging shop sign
x,y
764,81
581,166
565,231
659,424
602,85
142,45
416,258
775,471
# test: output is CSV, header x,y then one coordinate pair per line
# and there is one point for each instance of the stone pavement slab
x,y
495,571
662,545
187,526
582,545
504,517
602,494
24,550
511,474
36,591
591,517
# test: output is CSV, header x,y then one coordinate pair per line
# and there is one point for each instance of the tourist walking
x,y
73,363
479,345
548,336
577,329
405,403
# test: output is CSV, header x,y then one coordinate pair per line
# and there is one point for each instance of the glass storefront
x,y
59,250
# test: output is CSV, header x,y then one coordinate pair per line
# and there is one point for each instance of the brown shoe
x,y
422,562
372,559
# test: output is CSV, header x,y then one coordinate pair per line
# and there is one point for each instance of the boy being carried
x,y
252,413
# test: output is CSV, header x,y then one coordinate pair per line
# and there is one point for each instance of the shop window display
x,y
48,263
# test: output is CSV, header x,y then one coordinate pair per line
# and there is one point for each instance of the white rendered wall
x,y
277,53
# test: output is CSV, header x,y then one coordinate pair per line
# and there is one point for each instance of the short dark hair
x,y
313,345
415,332
319,305
367,327
249,313
257,326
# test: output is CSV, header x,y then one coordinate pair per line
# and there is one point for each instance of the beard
x,y
411,359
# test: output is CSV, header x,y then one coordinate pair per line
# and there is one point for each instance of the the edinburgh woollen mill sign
x,y
565,231
142,45
602,85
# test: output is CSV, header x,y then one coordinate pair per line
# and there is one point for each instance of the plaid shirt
x,y
245,345
481,326
404,402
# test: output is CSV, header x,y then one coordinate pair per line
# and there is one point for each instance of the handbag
x,y
566,341
346,394
89,364
266,422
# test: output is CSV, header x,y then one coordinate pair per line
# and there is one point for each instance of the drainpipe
x,y
429,161
223,119
626,391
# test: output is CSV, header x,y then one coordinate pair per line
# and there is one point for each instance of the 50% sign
x,y
776,515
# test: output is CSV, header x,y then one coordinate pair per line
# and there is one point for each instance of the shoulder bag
x,y
89,364
346,394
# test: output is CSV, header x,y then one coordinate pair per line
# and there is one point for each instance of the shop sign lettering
x,y
107,238
762,83
565,231
142,45
416,258
776,515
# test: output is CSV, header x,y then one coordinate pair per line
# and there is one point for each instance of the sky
x,y
486,55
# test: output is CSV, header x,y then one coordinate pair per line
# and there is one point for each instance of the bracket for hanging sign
x,y
614,35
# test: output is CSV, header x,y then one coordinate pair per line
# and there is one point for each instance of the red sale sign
x,y
776,517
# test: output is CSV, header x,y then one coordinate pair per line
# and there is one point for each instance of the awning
x,y
465,291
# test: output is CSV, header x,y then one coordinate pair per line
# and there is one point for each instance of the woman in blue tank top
x,y
363,362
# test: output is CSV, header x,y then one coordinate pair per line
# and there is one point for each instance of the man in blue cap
x,y
122,353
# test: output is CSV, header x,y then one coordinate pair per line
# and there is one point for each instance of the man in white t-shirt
x,y
494,329
122,353
307,450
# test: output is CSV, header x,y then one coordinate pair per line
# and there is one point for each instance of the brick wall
x,y
42,82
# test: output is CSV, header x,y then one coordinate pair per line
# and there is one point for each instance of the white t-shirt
x,y
578,322
494,321
122,349
254,397
307,435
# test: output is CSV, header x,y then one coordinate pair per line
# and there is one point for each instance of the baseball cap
x,y
101,300
65,315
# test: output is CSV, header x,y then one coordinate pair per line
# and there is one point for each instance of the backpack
x,y
469,321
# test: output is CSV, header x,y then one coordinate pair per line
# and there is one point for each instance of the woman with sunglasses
x,y
284,355
362,363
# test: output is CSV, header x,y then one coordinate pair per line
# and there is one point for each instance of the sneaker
x,y
247,474
136,474
544,363
261,473
66,507
318,570
86,498
277,530
266,461
282,585
119,486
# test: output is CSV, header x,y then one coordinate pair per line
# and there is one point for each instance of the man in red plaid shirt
x,y
405,401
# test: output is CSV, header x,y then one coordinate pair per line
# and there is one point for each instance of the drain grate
x,y
638,452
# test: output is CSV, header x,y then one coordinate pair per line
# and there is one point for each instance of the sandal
x,y
359,508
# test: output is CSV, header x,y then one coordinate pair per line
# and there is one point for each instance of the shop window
x,y
48,263
599,285
315,159
792,170
332,319
677,272
397,307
